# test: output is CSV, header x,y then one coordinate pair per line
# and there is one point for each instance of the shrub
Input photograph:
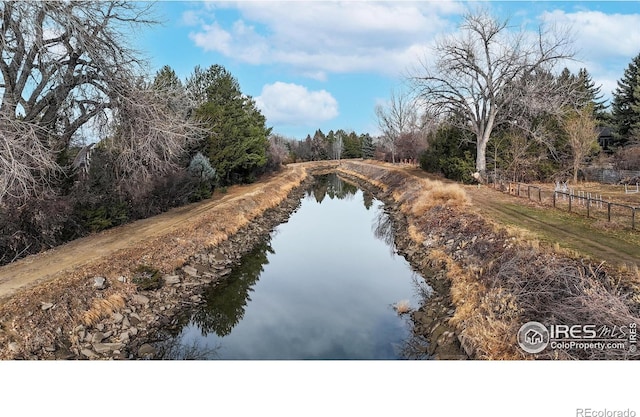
x,y
147,278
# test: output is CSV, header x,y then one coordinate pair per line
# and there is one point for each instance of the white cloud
x,y
600,35
605,43
317,38
293,104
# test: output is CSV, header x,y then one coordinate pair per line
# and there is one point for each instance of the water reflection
x,y
321,287
225,304
333,186
383,229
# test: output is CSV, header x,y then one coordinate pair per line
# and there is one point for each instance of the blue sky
x,y
321,64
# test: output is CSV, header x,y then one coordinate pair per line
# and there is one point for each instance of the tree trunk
x,y
481,155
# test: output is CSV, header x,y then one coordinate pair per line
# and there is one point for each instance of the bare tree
x,y
474,72
580,127
396,118
338,144
64,66
148,135
25,162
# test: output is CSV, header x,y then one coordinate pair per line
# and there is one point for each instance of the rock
x,y
124,337
46,306
171,279
125,323
14,347
117,317
195,298
134,319
225,271
99,283
146,351
97,337
103,348
100,327
122,279
189,270
133,331
140,299
50,348
88,353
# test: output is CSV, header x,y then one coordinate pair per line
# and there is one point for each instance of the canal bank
x,y
500,280
487,282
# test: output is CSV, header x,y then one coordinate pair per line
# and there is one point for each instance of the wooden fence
x,y
584,203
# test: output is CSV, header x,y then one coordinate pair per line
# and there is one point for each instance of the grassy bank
x,y
43,315
500,280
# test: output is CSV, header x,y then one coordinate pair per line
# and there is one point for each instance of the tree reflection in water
x,y
383,229
225,303
327,335
333,186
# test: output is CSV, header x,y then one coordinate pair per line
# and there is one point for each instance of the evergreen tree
x,y
166,78
352,146
237,143
593,95
625,115
368,148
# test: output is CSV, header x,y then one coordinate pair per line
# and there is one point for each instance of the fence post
x,y
554,199
633,218
570,199
609,211
588,205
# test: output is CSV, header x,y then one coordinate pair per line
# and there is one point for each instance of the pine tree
x,y
237,145
166,78
593,95
368,148
625,114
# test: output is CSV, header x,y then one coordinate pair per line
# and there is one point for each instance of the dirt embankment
x,y
91,303
499,281
488,283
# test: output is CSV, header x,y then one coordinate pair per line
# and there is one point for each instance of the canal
x,y
324,285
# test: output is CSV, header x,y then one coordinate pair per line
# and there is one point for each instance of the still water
x,y
322,286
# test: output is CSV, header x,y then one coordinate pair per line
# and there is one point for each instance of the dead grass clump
x,y
102,308
439,194
402,307
415,234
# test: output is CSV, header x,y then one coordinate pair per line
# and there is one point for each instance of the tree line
x,y
89,140
491,102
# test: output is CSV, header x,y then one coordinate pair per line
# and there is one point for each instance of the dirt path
x,y
38,268
568,230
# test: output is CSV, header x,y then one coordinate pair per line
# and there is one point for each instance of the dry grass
x,y
32,328
402,307
505,278
101,308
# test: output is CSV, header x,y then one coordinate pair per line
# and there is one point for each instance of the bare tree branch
x,y
475,70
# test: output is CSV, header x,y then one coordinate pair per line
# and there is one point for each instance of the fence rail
x,y
582,203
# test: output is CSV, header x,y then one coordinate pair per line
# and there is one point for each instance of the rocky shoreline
x,y
135,331
431,320
136,313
